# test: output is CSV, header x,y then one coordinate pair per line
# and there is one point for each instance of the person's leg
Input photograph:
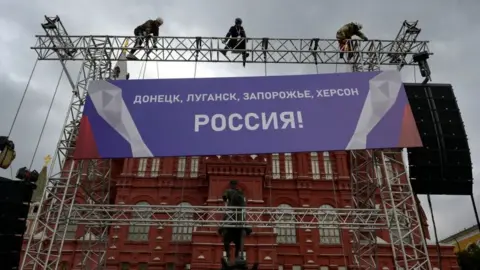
x,y
342,44
351,46
242,45
138,41
227,47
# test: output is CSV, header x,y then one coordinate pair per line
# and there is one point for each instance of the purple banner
x,y
246,115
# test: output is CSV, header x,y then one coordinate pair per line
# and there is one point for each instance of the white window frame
x,y
316,175
288,166
275,166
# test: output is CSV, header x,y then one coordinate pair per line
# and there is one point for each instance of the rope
x,y
46,118
182,192
415,74
345,261
439,253
270,201
336,204
23,97
181,209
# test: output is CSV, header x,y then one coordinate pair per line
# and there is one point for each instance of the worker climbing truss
x,y
78,192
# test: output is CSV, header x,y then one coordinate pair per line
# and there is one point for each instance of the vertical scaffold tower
x,y
382,173
78,193
85,181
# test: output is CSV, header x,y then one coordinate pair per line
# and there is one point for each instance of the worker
x,y
145,31
7,152
236,38
346,32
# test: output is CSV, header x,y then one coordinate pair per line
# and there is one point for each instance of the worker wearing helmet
x,y
236,38
346,32
145,31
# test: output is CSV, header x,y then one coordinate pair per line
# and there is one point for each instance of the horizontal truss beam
x,y
208,49
208,216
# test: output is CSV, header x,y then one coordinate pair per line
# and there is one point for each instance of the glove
x,y
366,39
154,46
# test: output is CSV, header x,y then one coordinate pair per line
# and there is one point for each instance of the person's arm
x,y
155,29
229,34
225,195
361,35
242,32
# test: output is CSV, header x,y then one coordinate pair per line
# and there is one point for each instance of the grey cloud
x,y
452,26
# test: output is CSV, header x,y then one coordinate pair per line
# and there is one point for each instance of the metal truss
x,y
363,188
64,187
408,243
409,247
209,49
213,216
367,167
89,180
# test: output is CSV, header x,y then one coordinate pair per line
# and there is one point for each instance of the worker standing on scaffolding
x,y
345,33
236,39
145,32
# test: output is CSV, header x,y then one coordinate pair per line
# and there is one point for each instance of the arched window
x,y
182,231
286,233
328,236
140,232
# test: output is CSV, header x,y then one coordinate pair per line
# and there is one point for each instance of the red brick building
x,y
278,180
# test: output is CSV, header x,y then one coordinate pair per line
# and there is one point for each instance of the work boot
x,y
131,57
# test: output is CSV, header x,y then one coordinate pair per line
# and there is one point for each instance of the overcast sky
x,y
450,25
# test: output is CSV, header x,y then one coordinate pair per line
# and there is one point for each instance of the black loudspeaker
x,y
15,197
443,165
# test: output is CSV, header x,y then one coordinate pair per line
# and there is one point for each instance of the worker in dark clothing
x,y
144,32
346,33
236,38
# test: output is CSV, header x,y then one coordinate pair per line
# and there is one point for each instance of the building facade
x,y
463,239
317,179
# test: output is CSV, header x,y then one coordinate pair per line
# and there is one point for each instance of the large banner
x,y
245,115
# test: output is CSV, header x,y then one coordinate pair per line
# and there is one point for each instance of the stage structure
x,y
89,179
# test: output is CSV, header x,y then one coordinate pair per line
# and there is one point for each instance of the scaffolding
x,y
380,176
79,192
